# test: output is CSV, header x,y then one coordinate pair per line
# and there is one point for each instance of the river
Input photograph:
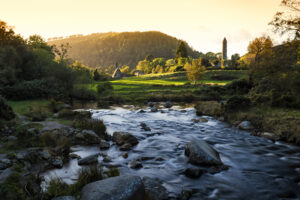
x,y
258,168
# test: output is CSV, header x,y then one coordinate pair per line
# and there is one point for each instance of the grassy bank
x,y
283,122
168,85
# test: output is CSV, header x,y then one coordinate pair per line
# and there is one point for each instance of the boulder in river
x,y
145,127
168,104
201,153
135,164
245,125
122,138
104,145
57,162
88,160
126,147
194,172
125,187
154,109
154,189
5,163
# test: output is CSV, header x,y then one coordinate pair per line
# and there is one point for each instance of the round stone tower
x,y
224,53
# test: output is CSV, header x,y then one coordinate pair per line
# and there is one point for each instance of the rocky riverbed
x,y
242,166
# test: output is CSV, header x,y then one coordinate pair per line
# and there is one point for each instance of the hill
x,y
126,48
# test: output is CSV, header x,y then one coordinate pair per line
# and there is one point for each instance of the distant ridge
x,y
126,48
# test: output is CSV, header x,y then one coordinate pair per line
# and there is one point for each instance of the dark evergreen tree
x,y
181,51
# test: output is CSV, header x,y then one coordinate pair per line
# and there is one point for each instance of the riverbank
x,y
283,124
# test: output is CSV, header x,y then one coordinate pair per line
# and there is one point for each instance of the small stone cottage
x,y
117,73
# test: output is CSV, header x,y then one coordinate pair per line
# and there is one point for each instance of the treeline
x,y
29,68
103,50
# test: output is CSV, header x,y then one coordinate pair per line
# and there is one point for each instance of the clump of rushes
x,y
95,125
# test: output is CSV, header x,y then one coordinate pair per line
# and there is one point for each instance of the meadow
x,y
139,88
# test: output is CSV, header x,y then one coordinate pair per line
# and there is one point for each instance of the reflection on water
x,y
258,168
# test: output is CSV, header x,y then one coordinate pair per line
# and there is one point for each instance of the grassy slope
x,y
23,107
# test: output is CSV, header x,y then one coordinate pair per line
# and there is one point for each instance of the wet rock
x,y
145,127
135,164
45,154
151,104
154,189
270,136
57,162
125,155
203,120
92,159
199,120
126,147
126,187
107,159
5,174
142,111
168,104
245,125
183,111
185,194
11,138
122,138
201,153
162,111
159,159
73,156
104,145
64,198
90,137
194,172
5,163
146,158
154,109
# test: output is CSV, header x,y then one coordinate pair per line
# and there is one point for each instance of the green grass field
x,y
137,88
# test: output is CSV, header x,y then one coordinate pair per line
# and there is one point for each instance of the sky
x,y
201,23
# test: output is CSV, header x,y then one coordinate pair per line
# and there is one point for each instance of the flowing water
x,y
258,168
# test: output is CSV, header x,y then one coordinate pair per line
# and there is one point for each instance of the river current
x,y
258,168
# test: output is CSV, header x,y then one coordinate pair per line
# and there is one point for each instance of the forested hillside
x,y
126,48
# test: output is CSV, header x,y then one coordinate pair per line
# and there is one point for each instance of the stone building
x,y
117,73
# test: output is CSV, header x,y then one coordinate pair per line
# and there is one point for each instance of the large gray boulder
x,y
125,187
154,189
124,138
64,198
201,153
92,159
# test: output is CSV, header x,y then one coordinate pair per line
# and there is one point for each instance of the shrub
x,y
241,86
221,77
83,94
37,114
28,90
56,106
237,102
6,112
57,188
104,88
92,124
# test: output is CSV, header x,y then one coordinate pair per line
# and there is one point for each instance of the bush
x,y
237,102
241,86
28,90
83,94
6,112
104,88
222,77
95,125
37,114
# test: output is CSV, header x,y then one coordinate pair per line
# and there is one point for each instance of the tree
x,y
125,69
258,45
96,75
181,51
288,21
61,51
234,62
37,42
195,70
